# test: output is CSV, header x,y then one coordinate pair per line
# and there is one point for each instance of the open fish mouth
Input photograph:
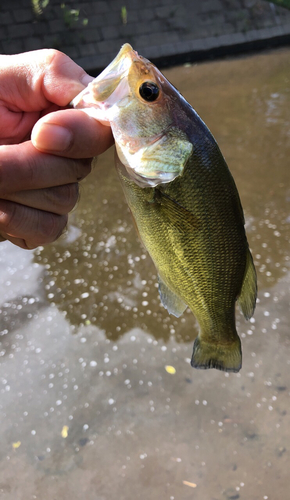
x,y
108,88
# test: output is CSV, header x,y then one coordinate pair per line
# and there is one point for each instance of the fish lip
x,y
120,63
115,73
117,69
102,111
84,102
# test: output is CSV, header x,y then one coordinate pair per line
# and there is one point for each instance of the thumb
x,y
71,133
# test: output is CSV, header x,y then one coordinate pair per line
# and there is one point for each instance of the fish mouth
x,y
110,86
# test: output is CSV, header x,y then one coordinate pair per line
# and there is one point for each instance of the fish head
x,y
133,97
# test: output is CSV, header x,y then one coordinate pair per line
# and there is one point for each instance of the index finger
x,y
22,167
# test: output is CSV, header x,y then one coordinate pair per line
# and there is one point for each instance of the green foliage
x,y
281,3
39,5
124,15
72,16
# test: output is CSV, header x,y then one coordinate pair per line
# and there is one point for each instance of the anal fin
x,y
170,300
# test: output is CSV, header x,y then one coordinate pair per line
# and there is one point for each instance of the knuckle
x,y
30,170
72,195
2,179
32,227
8,165
62,199
68,73
84,168
54,57
10,221
19,167
49,228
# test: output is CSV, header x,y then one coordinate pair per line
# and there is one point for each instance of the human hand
x,y
45,150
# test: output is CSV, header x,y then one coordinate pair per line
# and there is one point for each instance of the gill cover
x,y
158,162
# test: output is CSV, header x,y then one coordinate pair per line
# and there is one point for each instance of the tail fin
x,y
224,357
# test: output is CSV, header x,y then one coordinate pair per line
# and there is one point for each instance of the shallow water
x,y
87,407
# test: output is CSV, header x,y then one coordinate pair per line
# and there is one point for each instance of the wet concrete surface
x,y
87,407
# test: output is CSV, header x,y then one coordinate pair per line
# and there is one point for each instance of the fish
x,y
183,199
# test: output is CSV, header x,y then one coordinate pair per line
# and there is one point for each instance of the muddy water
x,y
87,407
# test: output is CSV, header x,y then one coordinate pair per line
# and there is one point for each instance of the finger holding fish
x,y
86,136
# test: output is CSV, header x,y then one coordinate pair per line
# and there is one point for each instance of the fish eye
x,y
149,91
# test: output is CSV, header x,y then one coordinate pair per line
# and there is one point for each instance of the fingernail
x,y
86,79
50,137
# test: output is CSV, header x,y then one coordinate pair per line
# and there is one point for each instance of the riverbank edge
x,y
203,49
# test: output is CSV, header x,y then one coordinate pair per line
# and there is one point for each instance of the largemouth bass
x,y
184,201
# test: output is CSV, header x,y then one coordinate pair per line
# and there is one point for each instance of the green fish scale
x,y
193,228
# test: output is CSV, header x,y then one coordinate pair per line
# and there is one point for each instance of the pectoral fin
x,y
176,215
170,300
248,295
